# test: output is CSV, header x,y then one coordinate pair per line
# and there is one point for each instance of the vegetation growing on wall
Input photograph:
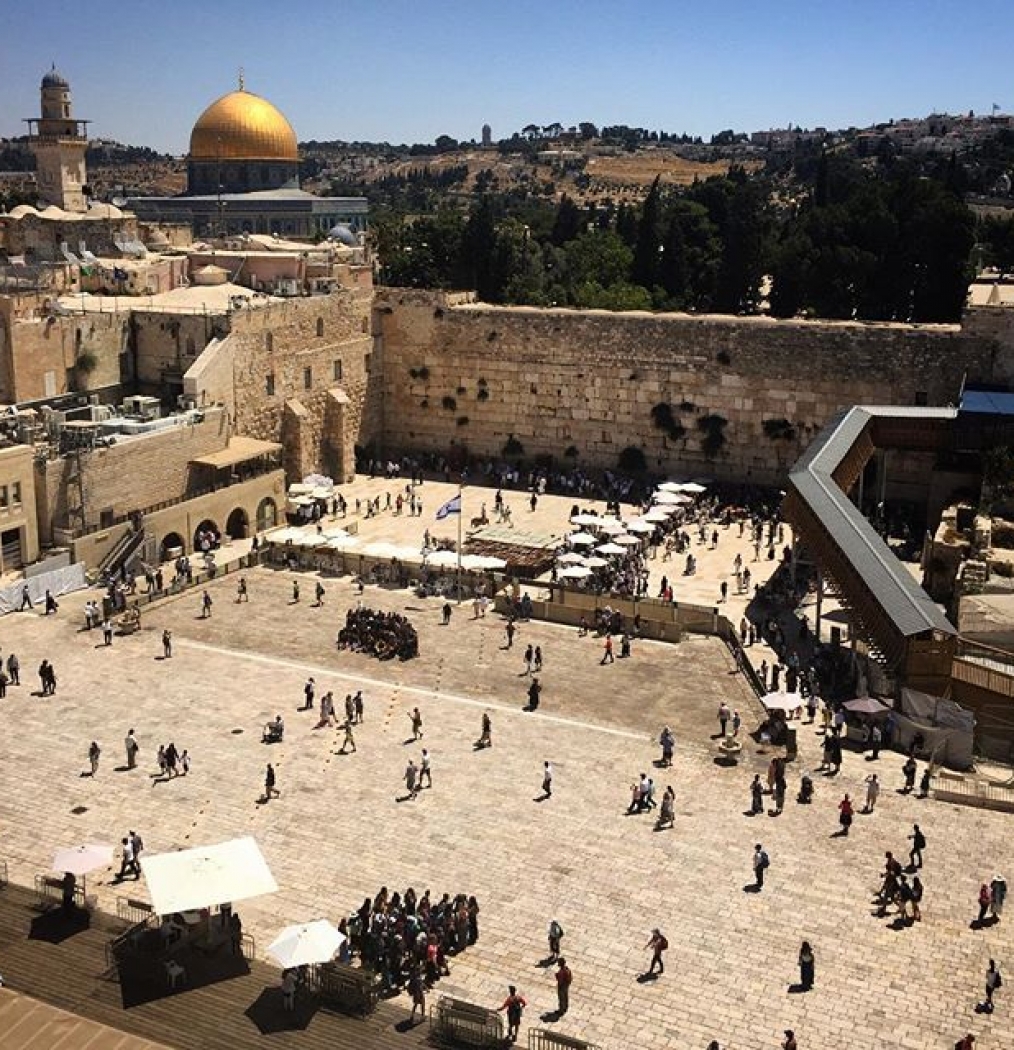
x,y
664,419
712,427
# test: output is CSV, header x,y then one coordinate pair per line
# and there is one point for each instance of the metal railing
x,y
544,1039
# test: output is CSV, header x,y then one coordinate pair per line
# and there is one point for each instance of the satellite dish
x,y
119,202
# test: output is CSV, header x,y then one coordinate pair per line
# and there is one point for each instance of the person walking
x,y
14,669
845,814
547,779
909,769
128,862
107,632
510,630
94,753
446,612
411,779
486,731
985,897
308,693
756,796
761,863
789,1042
872,792
185,762
359,705
534,694
425,771
564,979
416,988
667,813
26,599
994,982
270,784
295,591
723,718
607,651
132,747
350,741
925,780
555,936
807,964
206,604
514,1004
997,896
918,840
876,739
537,661
167,644
242,594
658,944
417,723
529,659
737,721
318,593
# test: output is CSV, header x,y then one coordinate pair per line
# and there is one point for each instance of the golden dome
x,y
242,126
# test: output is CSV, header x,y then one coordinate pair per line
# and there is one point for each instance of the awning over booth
x,y
191,879
239,450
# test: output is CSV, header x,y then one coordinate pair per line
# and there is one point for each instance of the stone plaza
x,y
342,828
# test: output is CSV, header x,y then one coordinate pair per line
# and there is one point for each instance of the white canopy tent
x,y
207,876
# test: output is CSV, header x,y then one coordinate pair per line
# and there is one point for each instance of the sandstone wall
x,y
166,345
301,355
554,379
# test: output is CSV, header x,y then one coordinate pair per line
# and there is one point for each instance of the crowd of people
x,y
384,635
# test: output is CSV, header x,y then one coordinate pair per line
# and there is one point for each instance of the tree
x,y
588,130
645,268
568,222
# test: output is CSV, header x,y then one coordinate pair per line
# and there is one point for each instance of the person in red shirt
x,y
564,979
514,1004
845,813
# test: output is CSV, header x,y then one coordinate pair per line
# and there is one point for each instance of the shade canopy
x,y
442,559
640,525
695,487
671,486
575,572
191,879
658,514
671,499
584,518
626,541
866,705
611,548
79,860
306,944
581,539
611,525
783,701
570,558
595,563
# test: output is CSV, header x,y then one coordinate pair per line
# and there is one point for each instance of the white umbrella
x,y
570,558
584,518
581,539
342,541
671,499
79,860
442,559
306,944
695,487
611,525
627,541
642,526
576,572
299,489
595,563
671,486
611,548
322,493
782,701
659,514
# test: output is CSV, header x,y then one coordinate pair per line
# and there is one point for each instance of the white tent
x,y
191,879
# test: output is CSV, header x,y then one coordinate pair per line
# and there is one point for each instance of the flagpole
x,y
460,514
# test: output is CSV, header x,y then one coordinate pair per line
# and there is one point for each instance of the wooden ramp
x,y
65,966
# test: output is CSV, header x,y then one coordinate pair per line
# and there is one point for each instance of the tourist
x,y
909,769
723,718
806,966
485,732
918,840
318,592
925,781
537,659
547,779
997,896
242,594
295,591
789,1042
564,979
845,814
607,651
658,944
555,936
163,765
26,599
94,752
289,990
446,611
529,659
51,606
761,862
167,644
756,795
534,694
872,792
510,630
917,891
128,862
876,737
514,1004
668,744
985,898
994,982
47,678
411,782
415,717
270,788
185,762
206,604
417,990
171,759
359,705
667,814
737,722
131,747
107,632
425,772
14,669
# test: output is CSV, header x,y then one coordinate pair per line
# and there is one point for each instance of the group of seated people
x,y
397,935
381,634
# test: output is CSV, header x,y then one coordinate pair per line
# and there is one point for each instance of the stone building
x,y
19,532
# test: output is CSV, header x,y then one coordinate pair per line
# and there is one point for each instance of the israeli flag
x,y
452,506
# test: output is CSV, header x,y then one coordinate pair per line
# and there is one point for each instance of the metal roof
x,y
909,607
988,402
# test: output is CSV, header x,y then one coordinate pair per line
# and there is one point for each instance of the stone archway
x,y
207,536
172,546
267,514
237,526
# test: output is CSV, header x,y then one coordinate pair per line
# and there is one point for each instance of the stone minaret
x,y
59,143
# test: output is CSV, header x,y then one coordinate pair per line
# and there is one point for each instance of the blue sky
x,y
408,71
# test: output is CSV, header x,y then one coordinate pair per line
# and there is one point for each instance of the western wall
x,y
745,395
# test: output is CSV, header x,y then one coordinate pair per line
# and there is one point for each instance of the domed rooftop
x,y
54,79
343,235
242,126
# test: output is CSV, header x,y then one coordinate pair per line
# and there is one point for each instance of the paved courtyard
x,y
338,832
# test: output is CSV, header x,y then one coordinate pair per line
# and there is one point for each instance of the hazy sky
x,y
409,70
